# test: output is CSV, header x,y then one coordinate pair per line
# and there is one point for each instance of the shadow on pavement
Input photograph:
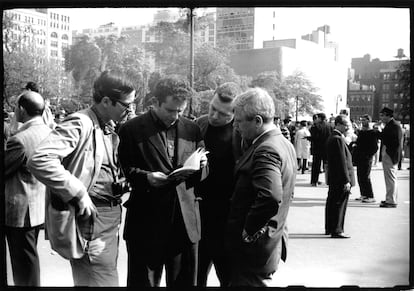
x,y
305,202
308,235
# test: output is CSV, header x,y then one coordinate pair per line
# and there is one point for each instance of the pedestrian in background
x,y
256,237
319,135
220,140
162,224
340,178
363,155
78,163
284,128
390,155
24,194
302,146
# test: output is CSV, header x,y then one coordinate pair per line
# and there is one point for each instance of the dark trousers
x,y
22,242
174,250
335,209
316,167
212,251
364,177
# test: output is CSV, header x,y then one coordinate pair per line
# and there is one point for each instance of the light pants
x,y
390,176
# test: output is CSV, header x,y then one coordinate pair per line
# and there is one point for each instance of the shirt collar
x,y
266,130
30,122
107,128
159,122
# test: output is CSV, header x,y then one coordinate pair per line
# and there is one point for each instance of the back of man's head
x,y
172,86
341,119
112,84
32,102
32,86
322,116
256,101
387,111
226,92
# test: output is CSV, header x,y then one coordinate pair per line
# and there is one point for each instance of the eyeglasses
x,y
126,106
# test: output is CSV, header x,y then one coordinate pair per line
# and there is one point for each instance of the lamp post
x,y
191,15
338,98
297,107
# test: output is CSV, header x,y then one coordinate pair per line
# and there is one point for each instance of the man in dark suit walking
x,y
24,194
390,155
340,178
162,224
256,236
320,132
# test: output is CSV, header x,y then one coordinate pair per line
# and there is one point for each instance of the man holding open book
x,y
162,224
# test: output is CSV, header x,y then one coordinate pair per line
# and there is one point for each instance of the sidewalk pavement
x,y
376,255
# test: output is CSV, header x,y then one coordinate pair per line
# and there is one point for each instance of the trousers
x,y
335,209
98,267
364,177
22,242
390,177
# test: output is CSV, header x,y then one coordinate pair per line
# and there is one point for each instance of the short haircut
x,y
112,84
256,101
387,111
303,123
172,86
32,86
32,105
341,118
226,92
286,121
366,116
322,116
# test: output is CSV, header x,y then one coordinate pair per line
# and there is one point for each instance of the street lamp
x,y
297,107
338,98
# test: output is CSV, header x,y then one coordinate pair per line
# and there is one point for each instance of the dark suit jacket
x,y
149,209
340,168
391,138
319,135
265,178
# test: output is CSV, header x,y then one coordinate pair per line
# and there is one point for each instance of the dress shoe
x,y
340,235
388,205
368,200
327,232
360,198
314,185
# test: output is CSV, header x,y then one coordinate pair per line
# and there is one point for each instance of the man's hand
x,y
203,160
157,179
347,187
86,207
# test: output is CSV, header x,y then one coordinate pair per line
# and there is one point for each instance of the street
x,y
376,255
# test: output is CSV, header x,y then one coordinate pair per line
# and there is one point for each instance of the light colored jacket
x,y
24,194
68,162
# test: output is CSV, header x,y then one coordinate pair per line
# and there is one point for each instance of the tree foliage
x,y
404,78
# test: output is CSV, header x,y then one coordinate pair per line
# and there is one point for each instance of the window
x,y
54,35
65,37
368,98
396,86
385,96
54,53
386,76
385,87
54,43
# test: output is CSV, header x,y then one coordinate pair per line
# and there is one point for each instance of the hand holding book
x,y
196,161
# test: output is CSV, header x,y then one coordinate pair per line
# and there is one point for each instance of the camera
x,y
121,187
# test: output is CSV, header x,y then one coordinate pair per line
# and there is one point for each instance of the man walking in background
x,y
340,178
24,194
390,155
320,132
363,155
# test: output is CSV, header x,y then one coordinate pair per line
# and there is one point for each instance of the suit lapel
x,y
154,139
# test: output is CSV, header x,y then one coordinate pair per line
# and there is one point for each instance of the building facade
x,y
384,77
48,32
287,56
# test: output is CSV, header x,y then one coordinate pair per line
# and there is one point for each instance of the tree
x,y
404,78
82,59
301,90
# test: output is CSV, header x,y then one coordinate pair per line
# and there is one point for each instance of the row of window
x,y
357,98
386,87
62,26
390,76
63,18
55,35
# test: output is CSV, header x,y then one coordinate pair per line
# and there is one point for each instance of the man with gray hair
x,y
256,236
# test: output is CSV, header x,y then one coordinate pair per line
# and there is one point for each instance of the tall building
x,y
47,31
236,24
383,76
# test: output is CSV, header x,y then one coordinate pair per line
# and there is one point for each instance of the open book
x,y
191,165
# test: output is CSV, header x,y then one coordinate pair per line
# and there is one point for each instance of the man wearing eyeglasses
x,y
78,164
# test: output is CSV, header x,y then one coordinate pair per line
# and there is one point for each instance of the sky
x,y
376,31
